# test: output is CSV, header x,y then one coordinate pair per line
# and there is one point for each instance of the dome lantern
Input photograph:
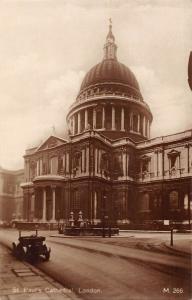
x,y
110,48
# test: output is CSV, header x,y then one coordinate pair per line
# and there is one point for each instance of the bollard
x,y
109,231
171,243
103,230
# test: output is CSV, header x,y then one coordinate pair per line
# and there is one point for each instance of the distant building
x,y
11,195
190,70
109,166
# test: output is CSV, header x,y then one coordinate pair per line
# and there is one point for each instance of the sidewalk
x,y
182,246
21,281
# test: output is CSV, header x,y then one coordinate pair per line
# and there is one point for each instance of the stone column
x,y
87,160
96,161
148,129
94,118
67,162
113,118
99,161
131,121
127,165
138,123
103,118
144,131
124,163
95,206
73,124
122,119
86,119
83,160
155,167
78,122
44,205
53,198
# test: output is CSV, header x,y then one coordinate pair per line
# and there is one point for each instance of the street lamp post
x,y
103,217
171,228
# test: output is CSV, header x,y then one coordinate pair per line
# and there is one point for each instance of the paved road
x,y
112,277
104,274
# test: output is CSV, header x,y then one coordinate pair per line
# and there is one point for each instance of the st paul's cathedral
x,y
108,165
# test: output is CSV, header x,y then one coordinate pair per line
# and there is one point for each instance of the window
x,y
75,124
135,119
90,118
77,162
54,165
60,163
144,202
105,163
157,202
75,204
121,205
108,117
99,117
117,164
174,162
118,118
127,119
82,118
186,202
174,200
145,164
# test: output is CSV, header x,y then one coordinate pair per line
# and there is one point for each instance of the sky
x,y
47,46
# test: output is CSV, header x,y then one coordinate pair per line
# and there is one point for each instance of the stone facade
x,y
11,195
108,165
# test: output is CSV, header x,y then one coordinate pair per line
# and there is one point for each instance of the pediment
x,y
173,153
145,157
51,142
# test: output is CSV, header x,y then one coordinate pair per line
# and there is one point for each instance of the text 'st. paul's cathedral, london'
x,y
109,165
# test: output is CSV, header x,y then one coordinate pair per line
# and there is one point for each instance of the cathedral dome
x,y
111,71
110,101
110,76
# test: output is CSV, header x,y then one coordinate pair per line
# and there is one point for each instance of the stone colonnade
x,y
45,200
138,122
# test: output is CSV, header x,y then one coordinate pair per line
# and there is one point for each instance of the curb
x,y
154,265
182,253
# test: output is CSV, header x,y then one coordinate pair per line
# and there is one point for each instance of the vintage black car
x,y
31,248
